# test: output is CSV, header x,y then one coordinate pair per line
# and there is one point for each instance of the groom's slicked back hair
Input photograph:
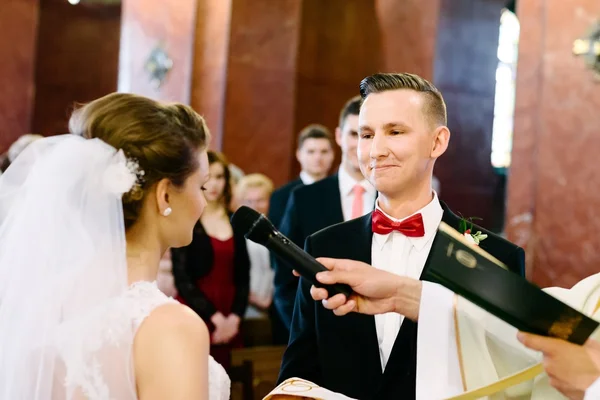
x,y
163,139
434,107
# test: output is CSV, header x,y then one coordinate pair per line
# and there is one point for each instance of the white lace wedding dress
x,y
109,374
68,319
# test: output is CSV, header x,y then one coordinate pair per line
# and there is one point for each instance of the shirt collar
x,y
432,216
306,178
347,183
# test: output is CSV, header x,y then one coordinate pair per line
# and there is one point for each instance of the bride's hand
x,y
219,335
232,326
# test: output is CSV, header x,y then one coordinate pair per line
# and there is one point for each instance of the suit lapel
x,y
451,219
366,323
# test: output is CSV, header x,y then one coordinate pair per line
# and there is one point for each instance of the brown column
x,y
149,25
295,62
211,54
77,59
408,33
258,117
553,197
18,19
522,183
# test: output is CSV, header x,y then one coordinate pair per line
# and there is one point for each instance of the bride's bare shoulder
x,y
170,351
172,321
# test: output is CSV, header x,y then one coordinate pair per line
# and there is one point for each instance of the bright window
x,y
504,105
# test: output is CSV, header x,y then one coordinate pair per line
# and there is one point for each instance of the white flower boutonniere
x,y
474,238
466,228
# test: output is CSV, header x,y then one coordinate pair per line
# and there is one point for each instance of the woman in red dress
x,y
212,274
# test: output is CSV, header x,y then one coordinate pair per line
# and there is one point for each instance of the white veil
x,y
62,260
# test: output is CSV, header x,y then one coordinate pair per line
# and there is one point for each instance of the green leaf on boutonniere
x,y
471,222
462,226
466,224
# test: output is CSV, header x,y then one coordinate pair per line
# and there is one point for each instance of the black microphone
x,y
259,229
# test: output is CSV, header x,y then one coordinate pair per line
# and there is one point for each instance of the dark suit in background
x,y
309,209
279,200
342,353
277,205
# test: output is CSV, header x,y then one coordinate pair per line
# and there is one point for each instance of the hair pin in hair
x,y
124,175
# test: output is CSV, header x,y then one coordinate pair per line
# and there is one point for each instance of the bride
x,y
85,218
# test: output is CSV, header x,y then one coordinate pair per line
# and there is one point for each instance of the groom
x,y
402,132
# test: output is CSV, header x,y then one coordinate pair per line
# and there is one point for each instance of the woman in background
x,y
212,274
254,191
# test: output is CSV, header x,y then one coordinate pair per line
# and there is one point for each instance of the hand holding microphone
x,y
257,228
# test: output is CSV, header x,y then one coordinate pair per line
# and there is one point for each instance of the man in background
x,y
315,155
343,196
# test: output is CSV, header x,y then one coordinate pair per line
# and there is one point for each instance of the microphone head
x,y
252,224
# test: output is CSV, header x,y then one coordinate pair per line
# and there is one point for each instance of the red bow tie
x,y
411,227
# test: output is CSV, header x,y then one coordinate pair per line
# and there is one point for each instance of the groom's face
x,y
395,140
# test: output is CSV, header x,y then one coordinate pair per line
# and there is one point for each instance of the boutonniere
x,y
466,229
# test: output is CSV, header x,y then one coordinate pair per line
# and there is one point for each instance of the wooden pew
x,y
266,361
257,332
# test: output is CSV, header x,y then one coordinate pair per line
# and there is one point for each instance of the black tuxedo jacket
x,y
310,208
342,353
279,200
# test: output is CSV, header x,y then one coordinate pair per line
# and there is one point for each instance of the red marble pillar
x,y
520,200
77,59
553,199
211,55
146,26
18,19
260,97
412,48
294,62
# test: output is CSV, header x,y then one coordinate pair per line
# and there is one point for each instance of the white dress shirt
x,y
306,178
404,256
347,184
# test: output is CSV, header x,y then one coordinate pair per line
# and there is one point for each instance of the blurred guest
x,y
235,173
315,155
254,191
212,274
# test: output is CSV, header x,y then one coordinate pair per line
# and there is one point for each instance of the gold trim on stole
x,y
501,385
458,343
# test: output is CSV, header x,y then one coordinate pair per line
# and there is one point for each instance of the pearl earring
x,y
167,212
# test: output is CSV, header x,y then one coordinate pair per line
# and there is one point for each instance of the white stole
x,y
486,348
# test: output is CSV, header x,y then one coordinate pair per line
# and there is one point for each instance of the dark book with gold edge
x,y
477,276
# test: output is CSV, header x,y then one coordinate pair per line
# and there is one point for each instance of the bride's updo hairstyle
x,y
163,139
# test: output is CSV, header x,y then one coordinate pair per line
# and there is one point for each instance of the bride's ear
x,y
162,195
